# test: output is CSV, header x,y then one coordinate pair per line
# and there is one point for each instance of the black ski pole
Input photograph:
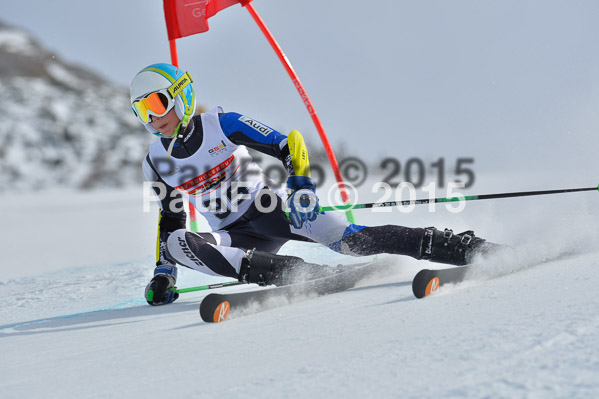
x,y
453,199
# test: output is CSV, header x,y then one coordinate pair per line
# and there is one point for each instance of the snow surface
x,y
74,322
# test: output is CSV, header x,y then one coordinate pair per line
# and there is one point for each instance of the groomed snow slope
x,y
82,329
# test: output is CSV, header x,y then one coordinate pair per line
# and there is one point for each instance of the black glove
x,y
161,291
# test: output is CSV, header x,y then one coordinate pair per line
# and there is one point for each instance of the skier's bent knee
x,y
178,250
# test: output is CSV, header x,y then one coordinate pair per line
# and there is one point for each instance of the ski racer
x,y
205,158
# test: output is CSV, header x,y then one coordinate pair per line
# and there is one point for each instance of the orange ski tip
x,y
222,312
432,286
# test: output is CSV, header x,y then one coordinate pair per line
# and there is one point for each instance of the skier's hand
x,y
160,290
302,202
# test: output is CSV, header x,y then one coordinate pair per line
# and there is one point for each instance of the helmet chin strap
x,y
176,135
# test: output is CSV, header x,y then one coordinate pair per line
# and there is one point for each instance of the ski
x,y
428,281
217,307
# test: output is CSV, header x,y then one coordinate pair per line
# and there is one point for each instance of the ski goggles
x,y
160,102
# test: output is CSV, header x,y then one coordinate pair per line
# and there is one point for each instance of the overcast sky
x,y
513,84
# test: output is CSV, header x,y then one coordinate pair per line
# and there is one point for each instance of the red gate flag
x,y
188,17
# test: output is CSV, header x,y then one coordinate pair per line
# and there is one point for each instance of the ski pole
x,y
208,287
452,199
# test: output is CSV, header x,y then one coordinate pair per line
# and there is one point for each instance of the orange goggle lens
x,y
156,103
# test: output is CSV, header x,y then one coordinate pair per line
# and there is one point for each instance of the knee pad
x,y
179,249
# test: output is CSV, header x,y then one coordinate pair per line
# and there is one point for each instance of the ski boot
x,y
453,249
264,268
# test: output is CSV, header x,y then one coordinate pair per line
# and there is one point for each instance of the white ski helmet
x,y
157,77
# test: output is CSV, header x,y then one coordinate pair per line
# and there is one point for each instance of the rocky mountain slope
x,y
62,125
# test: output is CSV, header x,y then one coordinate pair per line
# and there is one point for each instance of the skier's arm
x,y
302,201
170,218
159,290
243,130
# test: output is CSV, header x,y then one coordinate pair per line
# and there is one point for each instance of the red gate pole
x,y
302,92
